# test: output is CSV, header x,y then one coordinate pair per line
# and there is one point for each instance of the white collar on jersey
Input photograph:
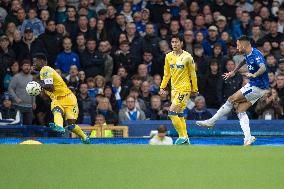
x,y
250,52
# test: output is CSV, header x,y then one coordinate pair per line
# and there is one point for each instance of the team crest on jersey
x,y
45,74
180,66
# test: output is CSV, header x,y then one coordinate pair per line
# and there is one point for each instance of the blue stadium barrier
x,y
143,128
222,128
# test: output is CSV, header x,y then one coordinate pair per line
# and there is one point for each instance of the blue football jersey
x,y
253,60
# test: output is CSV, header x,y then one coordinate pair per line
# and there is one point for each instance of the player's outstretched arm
x,y
232,73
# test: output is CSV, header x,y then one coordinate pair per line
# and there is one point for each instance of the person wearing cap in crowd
x,y
213,38
161,138
9,115
17,89
33,22
156,10
28,46
222,24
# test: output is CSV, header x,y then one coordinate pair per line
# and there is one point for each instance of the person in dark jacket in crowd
x,y
226,88
155,111
52,42
208,85
199,112
71,24
92,61
28,46
150,40
104,108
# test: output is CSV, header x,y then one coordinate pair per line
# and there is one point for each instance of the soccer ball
x,y
33,88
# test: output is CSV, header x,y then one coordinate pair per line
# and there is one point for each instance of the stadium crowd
x,y
111,54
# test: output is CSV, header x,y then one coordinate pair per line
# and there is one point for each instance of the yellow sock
x,y
78,131
183,127
58,119
176,122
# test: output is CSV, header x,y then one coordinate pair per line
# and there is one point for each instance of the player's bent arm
x,y
167,74
261,70
47,86
239,66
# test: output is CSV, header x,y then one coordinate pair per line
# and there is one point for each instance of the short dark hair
x,y
162,129
177,36
244,38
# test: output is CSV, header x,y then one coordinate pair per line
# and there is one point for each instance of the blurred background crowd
x,y
111,55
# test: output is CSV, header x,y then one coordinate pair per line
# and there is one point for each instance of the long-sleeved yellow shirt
x,y
181,70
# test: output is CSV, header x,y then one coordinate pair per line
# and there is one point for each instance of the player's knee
x,y
70,121
57,109
70,127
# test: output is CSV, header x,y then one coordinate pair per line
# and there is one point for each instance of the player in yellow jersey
x,y
180,68
63,101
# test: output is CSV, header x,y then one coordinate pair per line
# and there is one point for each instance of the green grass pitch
x,y
140,166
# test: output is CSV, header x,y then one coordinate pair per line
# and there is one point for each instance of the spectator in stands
x,y
91,87
269,106
256,35
52,42
174,27
83,26
85,4
226,88
99,33
60,13
150,40
279,54
200,25
17,89
153,66
44,17
222,24
110,20
139,103
82,76
71,23
272,79
72,79
117,29
80,43
280,67
201,61
12,13
124,58
145,93
9,115
199,112
86,105
67,58
274,37
125,80
154,111
10,30
42,5
33,22
105,50
188,41
243,27
60,29
130,112
160,60
208,85
28,46
211,40
266,48
104,108
119,91
155,87
271,63
7,57
99,84
14,69
110,95
218,56
135,41
280,85
92,61
144,74
127,11
161,138
100,121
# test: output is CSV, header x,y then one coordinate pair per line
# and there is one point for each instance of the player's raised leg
x,y
224,110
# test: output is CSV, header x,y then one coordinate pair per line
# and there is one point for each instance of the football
x,y
33,88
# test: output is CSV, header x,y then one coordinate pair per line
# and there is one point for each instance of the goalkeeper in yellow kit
x,y
63,101
180,68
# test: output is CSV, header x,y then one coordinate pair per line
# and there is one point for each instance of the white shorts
x,y
252,93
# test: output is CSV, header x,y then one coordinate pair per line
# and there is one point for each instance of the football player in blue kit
x,y
248,94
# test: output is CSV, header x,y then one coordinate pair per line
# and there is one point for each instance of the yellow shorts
x,y
180,99
68,104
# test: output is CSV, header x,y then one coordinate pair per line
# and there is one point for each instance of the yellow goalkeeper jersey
x,y
181,70
49,76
